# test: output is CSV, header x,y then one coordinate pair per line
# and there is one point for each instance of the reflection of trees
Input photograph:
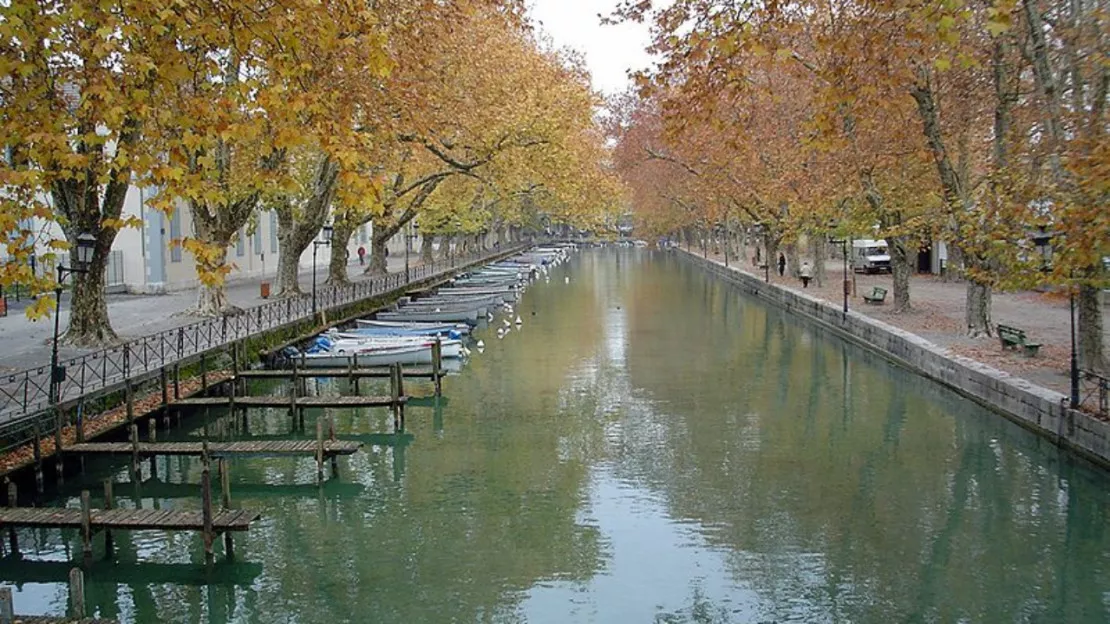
x,y
915,505
475,517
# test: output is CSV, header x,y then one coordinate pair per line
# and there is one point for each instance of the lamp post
x,y
847,286
325,240
1043,241
86,247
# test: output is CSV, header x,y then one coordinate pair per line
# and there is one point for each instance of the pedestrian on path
x,y
782,265
362,255
806,273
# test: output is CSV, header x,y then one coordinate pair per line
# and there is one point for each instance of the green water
x,y
650,446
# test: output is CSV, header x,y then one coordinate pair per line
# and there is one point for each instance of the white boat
x,y
415,354
461,328
343,342
430,315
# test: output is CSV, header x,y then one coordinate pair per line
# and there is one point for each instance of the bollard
x,y
76,593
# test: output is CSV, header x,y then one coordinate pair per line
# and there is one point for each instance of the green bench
x,y
877,296
1012,338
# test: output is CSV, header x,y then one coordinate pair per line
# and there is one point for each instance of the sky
x,y
610,50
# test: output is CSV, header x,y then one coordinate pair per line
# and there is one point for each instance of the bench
x,y
1012,338
877,296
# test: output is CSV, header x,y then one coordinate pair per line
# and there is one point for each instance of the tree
x,y
81,90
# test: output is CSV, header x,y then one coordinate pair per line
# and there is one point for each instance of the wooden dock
x,y
128,519
358,373
296,402
254,448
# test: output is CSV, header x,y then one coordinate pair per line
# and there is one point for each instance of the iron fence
x,y
1094,392
27,392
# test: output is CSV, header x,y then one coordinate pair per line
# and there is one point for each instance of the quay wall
x,y
1036,408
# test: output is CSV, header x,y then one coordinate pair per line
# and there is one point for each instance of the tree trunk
x,y
89,325
289,255
427,246
793,260
212,295
1089,347
379,262
444,246
819,249
900,268
978,309
340,238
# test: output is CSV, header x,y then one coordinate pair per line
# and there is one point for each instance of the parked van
x,y
870,256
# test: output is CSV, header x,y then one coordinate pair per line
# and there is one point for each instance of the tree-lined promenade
x,y
980,124
451,115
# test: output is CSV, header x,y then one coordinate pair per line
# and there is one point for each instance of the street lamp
x,y
761,231
82,258
325,240
843,242
1043,241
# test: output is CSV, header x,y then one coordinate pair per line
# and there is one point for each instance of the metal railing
x,y
1094,392
27,392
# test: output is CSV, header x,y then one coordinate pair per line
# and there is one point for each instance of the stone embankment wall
x,y
1040,410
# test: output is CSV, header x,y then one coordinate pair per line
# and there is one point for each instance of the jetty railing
x,y
26,393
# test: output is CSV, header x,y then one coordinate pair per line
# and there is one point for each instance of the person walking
x,y
782,265
362,255
806,273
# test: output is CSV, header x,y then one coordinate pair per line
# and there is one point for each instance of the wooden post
x,y
7,611
176,381
206,502
109,503
162,376
293,394
59,461
37,450
86,527
80,432
225,483
129,393
437,364
319,450
136,470
13,539
204,373
394,393
225,502
331,436
355,380
401,395
77,593
152,436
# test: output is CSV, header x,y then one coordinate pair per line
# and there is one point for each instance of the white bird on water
x,y
500,333
481,345
518,321
506,322
566,280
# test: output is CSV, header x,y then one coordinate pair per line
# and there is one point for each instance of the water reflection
x,y
650,446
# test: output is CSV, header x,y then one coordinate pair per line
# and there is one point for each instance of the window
x,y
175,236
273,232
362,233
258,237
241,244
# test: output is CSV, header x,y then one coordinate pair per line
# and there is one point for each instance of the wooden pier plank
x,y
282,401
133,519
362,373
218,449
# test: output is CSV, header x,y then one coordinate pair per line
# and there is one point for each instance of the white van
x,y
870,256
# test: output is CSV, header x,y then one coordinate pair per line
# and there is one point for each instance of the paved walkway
x,y
26,343
938,315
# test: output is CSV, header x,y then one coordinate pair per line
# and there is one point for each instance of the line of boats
x,y
408,333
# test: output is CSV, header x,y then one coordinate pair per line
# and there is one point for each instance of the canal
x,y
649,446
